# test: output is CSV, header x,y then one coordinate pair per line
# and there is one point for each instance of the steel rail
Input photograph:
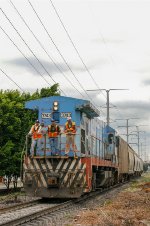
x,y
35,215
19,205
48,210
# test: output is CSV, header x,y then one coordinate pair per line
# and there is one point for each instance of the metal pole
x,y
138,137
107,91
127,126
141,150
138,132
127,130
138,141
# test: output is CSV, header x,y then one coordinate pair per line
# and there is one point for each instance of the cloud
x,y
146,82
131,109
134,104
50,67
98,62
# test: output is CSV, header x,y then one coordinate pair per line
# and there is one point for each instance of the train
x,y
103,158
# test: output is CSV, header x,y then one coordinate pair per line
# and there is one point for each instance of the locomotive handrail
x,y
69,133
42,146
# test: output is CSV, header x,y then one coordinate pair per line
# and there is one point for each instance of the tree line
x,y
15,122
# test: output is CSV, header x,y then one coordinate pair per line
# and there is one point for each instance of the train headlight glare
x,y
55,103
55,106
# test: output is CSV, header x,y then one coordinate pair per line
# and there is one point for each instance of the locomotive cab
x,y
110,142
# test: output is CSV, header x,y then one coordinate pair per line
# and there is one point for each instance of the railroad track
x,y
19,206
27,214
35,212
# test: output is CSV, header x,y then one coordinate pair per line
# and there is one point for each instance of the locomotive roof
x,y
79,104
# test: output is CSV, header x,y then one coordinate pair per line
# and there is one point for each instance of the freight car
x,y
129,162
102,158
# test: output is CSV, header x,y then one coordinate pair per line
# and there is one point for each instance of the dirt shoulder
x,y
131,207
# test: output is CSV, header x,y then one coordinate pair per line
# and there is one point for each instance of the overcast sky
x,y
107,46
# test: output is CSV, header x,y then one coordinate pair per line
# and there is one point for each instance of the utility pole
x,y
127,126
138,137
143,144
107,103
138,132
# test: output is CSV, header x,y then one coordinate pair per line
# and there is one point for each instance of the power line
x,y
44,48
24,56
28,46
106,46
85,66
58,49
103,39
17,33
11,80
74,46
60,52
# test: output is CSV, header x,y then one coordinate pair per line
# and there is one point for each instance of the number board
x,y
65,114
46,115
62,115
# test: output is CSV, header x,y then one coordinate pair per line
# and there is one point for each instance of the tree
x,y
46,92
7,163
145,166
15,122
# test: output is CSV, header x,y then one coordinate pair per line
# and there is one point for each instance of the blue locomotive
x,y
98,158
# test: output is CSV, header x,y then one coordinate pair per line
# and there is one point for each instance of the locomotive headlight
x,y
55,106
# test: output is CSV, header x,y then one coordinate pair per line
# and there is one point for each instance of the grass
x,y
11,195
135,183
107,202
